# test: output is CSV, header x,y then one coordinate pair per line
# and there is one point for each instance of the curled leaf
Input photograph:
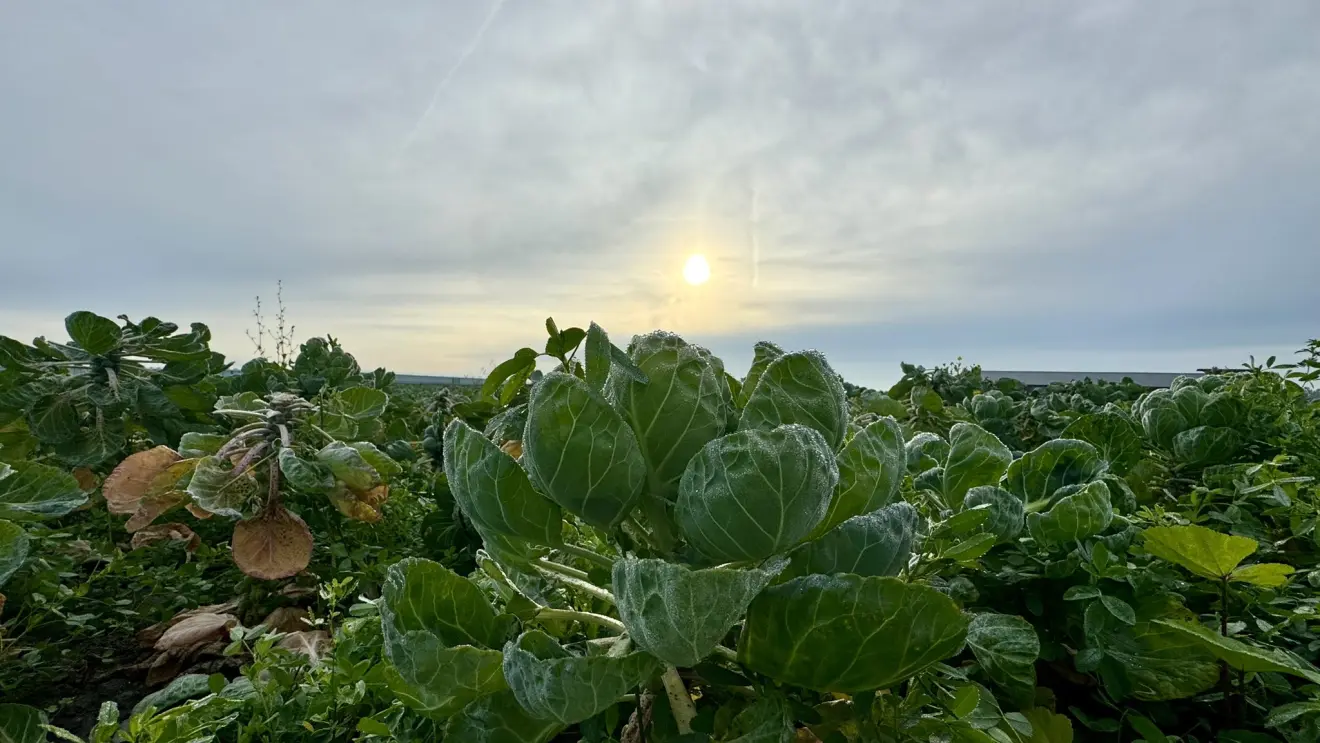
x,y
197,629
126,485
167,533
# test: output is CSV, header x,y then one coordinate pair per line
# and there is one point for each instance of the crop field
x,y
644,545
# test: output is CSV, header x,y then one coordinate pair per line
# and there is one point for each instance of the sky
x,y
1095,186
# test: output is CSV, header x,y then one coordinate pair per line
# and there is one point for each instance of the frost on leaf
x,y
276,544
126,485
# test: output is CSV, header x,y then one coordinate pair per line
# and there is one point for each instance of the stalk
x,y
573,582
586,554
587,617
679,700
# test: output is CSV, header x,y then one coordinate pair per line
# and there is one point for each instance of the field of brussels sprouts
x,y
642,545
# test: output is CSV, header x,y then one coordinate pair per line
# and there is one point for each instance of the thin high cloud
x,y
1062,186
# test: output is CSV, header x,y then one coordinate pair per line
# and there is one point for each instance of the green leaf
x,y
970,548
925,451
754,493
1007,648
525,357
875,543
1148,730
1286,713
871,469
1206,445
31,491
679,614
597,357
349,466
372,726
976,458
249,401
1203,551
94,334
1244,657
361,403
1112,434
769,719
799,388
1053,465
1074,518
1159,663
1047,727
847,633
14,547
306,475
193,445
580,453
499,718
379,460
1267,574
439,681
20,723
763,353
1007,513
1120,609
53,419
215,488
682,407
493,491
93,446
550,683
421,595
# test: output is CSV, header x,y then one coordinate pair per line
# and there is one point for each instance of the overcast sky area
x,y
1100,186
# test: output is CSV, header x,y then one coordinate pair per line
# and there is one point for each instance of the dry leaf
x,y
286,619
87,480
166,533
198,511
2,603
276,544
149,635
361,505
126,485
310,643
197,629
152,507
512,447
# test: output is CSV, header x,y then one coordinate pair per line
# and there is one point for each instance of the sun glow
x,y
696,271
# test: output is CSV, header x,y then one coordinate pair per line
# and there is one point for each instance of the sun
x,y
696,271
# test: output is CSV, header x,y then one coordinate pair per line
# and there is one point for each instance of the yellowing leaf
x,y
1269,574
1203,551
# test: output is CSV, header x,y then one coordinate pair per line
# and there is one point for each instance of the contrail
x,y
444,81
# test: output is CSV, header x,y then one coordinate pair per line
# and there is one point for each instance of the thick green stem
x,y
588,617
679,700
726,653
586,554
573,582
562,569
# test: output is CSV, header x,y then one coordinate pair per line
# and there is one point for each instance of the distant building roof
x,y
438,381
1043,378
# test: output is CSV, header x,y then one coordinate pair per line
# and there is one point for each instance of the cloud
x,y
1060,184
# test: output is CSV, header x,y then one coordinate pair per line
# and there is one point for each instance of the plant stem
x,y
586,554
574,582
239,413
726,653
679,700
588,617
562,569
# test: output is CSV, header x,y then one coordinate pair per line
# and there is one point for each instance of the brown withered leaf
x,y
198,511
310,643
167,533
87,480
512,447
198,629
275,544
287,619
126,485
149,635
153,507
361,505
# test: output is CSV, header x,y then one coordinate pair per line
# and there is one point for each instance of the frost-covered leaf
x,y
1244,657
925,451
94,334
752,494
129,482
361,403
275,544
422,595
1073,518
36,491
1112,434
847,633
800,388
440,681
14,547
1203,551
875,543
871,469
1206,445
550,683
763,353
498,718
1007,648
215,488
679,614
976,457
305,475
349,466
1007,512
769,719
580,453
1053,465
493,491
53,419
683,405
